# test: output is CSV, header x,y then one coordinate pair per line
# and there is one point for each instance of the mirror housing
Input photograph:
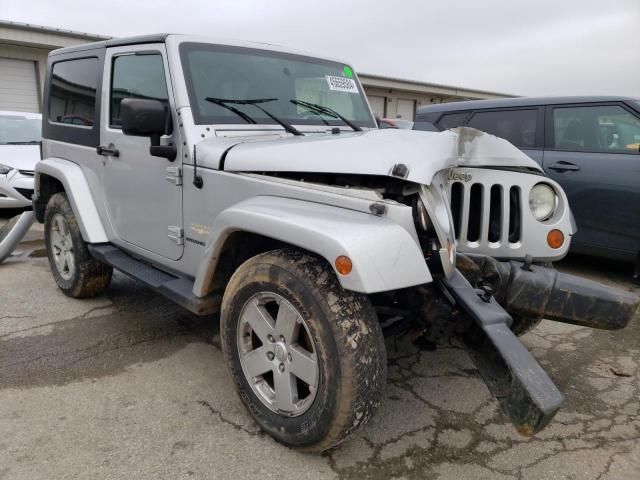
x,y
143,118
148,118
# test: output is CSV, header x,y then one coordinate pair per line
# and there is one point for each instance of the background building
x,y
399,98
23,63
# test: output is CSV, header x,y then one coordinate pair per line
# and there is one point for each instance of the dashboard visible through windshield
x,y
295,86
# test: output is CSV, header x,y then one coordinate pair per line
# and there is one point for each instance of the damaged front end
x,y
483,301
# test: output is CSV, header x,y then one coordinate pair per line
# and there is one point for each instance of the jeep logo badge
x,y
460,176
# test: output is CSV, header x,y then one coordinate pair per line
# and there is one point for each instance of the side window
x,y
452,120
605,128
136,76
516,126
73,92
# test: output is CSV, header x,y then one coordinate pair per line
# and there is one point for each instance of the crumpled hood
x,y
373,152
21,157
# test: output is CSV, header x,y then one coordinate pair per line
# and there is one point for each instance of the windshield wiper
x,y
327,111
28,142
255,102
241,114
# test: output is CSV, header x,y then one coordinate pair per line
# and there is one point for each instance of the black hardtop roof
x,y
114,42
517,102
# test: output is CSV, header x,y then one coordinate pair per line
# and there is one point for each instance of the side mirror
x,y
148,118
143,118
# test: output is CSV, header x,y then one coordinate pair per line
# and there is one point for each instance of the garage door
x,y
377,105
18,86
406,109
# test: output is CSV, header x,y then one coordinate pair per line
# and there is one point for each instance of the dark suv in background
x,y
590,145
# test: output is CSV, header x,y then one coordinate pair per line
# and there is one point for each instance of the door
x,y
142,196
377,105
406,109
592,151
18,86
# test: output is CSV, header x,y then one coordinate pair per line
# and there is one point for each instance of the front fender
x,y
384,255
79,194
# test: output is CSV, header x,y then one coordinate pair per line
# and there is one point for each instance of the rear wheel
x,y
75,271
308,357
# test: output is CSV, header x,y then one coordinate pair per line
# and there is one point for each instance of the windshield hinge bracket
x,y
174,175
176,234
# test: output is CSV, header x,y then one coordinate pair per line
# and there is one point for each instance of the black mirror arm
x,y
170,152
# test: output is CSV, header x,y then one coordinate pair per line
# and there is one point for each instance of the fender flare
x,y
79,194
385,256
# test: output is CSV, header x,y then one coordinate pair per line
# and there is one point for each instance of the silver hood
x,y
373,152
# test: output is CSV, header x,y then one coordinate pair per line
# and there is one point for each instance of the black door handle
x,y
109,151
564,167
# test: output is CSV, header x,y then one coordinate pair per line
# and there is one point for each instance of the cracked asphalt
x,y
129,385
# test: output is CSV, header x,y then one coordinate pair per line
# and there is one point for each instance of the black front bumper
x,y
525,392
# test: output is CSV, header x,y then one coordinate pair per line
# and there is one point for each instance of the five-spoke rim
x,y
62,247
277,354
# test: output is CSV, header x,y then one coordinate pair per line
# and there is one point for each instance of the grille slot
x,y
495,214
476,194
486,214
457,197
515,218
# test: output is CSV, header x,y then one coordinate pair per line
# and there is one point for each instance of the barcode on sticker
x,y
342,84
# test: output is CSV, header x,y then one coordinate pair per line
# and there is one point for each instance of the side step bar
x,y
178,289
525,391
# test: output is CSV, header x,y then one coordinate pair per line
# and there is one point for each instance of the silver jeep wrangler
x,y
252,181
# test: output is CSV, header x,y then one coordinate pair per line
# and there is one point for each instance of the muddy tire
x,y
284,317
76,272
522,325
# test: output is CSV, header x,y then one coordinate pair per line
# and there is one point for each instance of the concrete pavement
x,y
131,386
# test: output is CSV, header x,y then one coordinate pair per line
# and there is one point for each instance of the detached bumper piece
x,y
525,392
534,291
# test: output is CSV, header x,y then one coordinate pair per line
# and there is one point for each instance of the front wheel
x,y
308,357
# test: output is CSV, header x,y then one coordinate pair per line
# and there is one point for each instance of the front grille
x,y
485,213
28,173
25,192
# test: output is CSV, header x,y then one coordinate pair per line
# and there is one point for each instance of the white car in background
x,y
20,136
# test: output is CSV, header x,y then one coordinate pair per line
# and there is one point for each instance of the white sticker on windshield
x,y
342,84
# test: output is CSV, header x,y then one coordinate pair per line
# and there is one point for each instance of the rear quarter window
x,y
72,97
452,120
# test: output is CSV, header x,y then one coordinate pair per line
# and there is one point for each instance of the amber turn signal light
x,y
555,238
343,265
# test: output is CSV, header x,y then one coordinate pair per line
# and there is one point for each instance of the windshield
x,y
16,129
238,73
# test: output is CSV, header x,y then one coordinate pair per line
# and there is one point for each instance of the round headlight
x,y
542,201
